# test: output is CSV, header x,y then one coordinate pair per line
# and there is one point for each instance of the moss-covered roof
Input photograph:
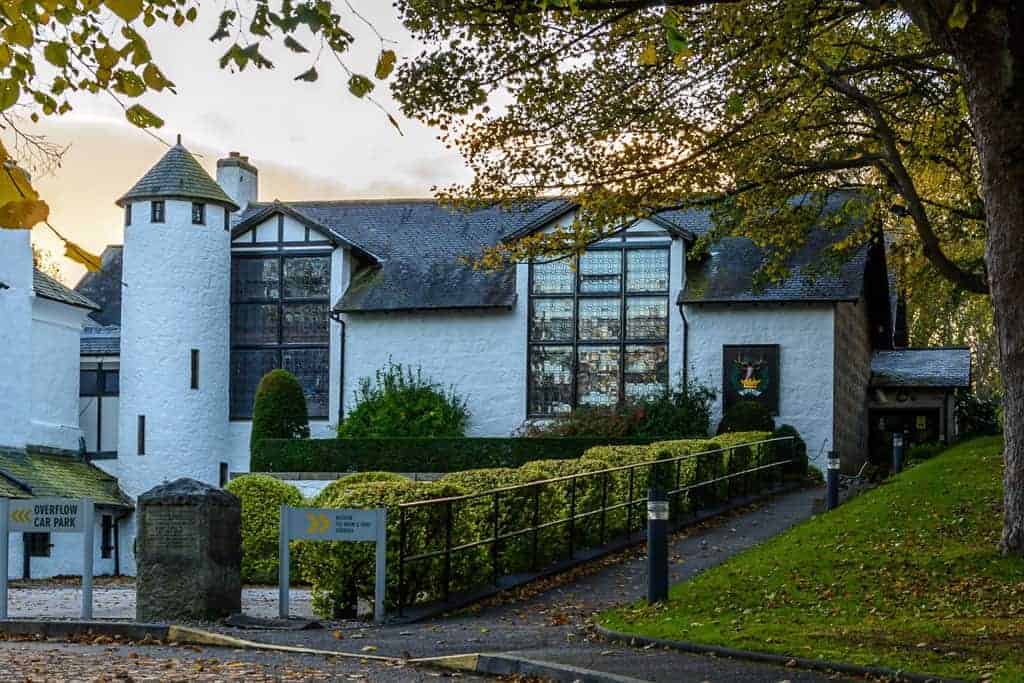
x,y
37,475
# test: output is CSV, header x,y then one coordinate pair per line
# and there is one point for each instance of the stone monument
x,y
189,552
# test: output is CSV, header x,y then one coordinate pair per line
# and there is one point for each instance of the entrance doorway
x,y
918,425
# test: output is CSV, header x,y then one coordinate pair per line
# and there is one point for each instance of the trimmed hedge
x,y
262,497
418,455
343,573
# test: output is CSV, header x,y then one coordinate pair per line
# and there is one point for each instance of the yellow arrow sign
x,y
23,516
318,524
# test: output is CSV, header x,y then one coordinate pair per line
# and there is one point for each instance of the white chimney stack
x,y
238,178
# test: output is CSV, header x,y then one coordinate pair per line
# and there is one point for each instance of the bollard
x,y
833,480
657,546
897,452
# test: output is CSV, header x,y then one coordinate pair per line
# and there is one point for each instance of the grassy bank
x,y
906,576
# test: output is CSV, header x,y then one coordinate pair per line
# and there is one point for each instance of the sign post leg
x,y
381,568
88,520
5,511
284,562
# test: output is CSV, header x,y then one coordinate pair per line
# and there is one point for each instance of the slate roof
x,y
423,250
104,287
178,175
34,475
939,367
49,288
101,341
727,273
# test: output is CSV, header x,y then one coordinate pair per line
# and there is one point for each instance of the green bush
x,y
355,479
746,416
404,403
796,451
341,573
279,410
418,455
262,497
679,412
976,415
924,451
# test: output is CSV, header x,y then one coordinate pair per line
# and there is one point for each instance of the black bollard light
x,y
897,452
657,546
833,480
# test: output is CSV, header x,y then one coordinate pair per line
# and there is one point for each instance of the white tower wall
x,y
175,299
15,337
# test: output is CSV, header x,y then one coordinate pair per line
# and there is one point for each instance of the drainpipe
x,y
686,345
341,373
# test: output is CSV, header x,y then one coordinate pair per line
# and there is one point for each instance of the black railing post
x,y
447,549
401,560
536,522
494,543
572,517
629,506
604,505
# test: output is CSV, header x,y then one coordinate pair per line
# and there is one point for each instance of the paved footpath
x,y
550,624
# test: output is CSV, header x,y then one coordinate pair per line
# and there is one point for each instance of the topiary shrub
x,y
262,497
354,479
279,409
403,403
746,416
341,573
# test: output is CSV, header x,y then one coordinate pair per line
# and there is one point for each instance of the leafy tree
x,y
403,402
279,409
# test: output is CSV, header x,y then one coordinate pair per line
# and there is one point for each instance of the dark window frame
x,y
157,211
141,435
194,369
107,537
198,213
622,245
128,214
38,543
100,383
279,347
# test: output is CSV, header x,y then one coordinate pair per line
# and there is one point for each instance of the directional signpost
x,y
330,524
48,515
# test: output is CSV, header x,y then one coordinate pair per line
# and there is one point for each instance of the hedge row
x,y
342,573
418,454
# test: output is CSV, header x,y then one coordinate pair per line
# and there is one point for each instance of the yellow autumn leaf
x,y
126,9
22,214
649,57
74,252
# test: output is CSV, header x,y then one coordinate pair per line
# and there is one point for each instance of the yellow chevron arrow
x,y
22,516
318,523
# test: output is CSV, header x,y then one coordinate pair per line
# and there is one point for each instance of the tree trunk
x,y
991,54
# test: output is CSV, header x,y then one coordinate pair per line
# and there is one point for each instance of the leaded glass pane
x,y
307,277
254,324
598,375
310,367
601,271
647,270
88,383
305,324
646,317
551,320
646,370
253,278
550,391
600,319
555,277
247,369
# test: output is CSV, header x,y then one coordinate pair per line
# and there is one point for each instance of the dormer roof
x,y
178,176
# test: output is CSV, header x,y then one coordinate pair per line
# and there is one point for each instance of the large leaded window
x,y
598,332
280,318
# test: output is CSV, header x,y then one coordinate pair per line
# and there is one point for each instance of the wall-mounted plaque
x,y
751,373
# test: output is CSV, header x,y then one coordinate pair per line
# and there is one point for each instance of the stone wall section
x,y
852,374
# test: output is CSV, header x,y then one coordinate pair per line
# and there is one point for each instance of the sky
x,y
308,140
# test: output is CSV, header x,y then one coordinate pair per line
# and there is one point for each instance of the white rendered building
x,y
212,288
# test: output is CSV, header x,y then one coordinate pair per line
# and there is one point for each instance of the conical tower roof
x,y
178,176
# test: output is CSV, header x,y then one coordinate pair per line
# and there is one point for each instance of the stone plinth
x,y
189,552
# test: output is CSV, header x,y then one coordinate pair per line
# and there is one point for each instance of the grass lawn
x,y
906,576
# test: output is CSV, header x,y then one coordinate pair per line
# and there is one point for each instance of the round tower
x,y
175,326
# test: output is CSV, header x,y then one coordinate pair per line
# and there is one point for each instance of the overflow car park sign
x,y
48,516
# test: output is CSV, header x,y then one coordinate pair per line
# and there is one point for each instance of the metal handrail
x,y
577,475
